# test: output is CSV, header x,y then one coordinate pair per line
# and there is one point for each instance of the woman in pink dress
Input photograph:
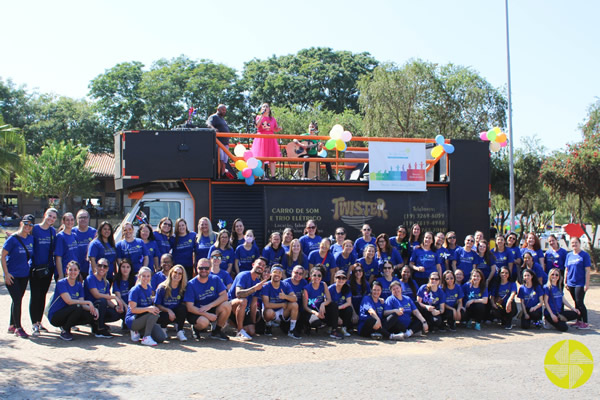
x,y
266,147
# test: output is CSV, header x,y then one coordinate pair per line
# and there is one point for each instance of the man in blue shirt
x,y
243,294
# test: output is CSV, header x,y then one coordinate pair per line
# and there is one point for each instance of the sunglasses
x,y
358,270
311,227
102,266
366,229
451,237
27,224
341,278
216,257
167,224
340,233
177,273
387,267
434,279
317,276
203,268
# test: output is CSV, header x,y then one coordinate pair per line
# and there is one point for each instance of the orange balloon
x,y
501,137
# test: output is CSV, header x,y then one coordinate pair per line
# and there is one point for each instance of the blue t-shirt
x,y
153,251
576,265
406,304
273,293
539,272
424,258
445,255
204,293
516,252
98,250
157,279
555,259
432,298
245,257
555,299
91,282
404,248
163,242
360,243
503,258
465,261
407,289
182,249
42,254
202,245
530,296
297,289
121,287
289,266
142,298
224,276
169,302
339,298
274,256
309,244
486,268
472,293
316,297
134,250
453,295
83,241
227,257
328,262
537,255
62,286
395,258
344,263
367,304
503,291
243,280
385,290
17,262
67,248
369,269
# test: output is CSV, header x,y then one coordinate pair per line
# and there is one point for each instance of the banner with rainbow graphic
x,y
397,167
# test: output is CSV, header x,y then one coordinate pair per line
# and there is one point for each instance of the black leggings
x,y
106,313
327,167
331,315
578,294
533,316
434,322
72,315
17,291
180,314
475,312
367,328
395,326
505,317
561,325
38,288
346,316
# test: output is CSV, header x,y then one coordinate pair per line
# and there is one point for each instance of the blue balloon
x,y
259,164
258,172
448,148
239,175
439,139
250,180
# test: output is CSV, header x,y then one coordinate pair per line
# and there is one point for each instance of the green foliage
x,y
422,99
314,75
12,148
59,171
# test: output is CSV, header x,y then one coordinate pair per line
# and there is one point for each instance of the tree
x,y
58,171
422,99
12,148
314,75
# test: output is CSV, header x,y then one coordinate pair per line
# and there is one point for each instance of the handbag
x,y
39,272
43,271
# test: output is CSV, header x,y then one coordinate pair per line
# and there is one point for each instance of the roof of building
x,y
102,165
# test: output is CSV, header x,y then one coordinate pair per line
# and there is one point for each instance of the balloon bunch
x,y
496,137
249,168
339,138
441,147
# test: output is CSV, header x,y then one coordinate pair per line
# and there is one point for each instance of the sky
x,y
59,47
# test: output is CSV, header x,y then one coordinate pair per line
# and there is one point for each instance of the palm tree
x,y
12,147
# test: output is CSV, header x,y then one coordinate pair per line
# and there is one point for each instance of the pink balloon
x,y
483,136
247,172
252,162
504,144
346,136
248,154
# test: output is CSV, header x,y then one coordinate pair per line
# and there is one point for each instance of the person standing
x,y
266,147
577,279
84,234
218,123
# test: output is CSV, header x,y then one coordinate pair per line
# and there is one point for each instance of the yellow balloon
x,y
437,151
340,145
497,130
241,165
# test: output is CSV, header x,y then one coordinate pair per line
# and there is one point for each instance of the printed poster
x,y
397,166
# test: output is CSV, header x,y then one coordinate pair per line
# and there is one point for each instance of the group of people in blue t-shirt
x,y
379,286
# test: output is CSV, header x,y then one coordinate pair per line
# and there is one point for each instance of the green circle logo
x,y
569,364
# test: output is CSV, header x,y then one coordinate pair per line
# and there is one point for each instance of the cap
x,y
28,218
340,273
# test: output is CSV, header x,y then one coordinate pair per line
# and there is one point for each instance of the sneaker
x,y
64,335
397,336
104,333
547,325
345,332
181,336
219,335
452,328
135,336
196,334
293,335
537,324
243,335
508,327
477,326
12,329
19,332
148,341
583,325
336,335
408,333
35,330
268,330
442,328
376,336
470,324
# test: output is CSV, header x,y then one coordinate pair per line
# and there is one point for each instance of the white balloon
x,y
495,146
239,150
336,132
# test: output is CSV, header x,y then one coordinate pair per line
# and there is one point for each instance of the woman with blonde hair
x,y
142,314
169,300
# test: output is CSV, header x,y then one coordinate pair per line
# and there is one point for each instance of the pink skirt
x,y
265,147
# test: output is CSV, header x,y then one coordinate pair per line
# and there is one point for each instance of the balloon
x,y
247,172
491,135
496,129
336,132
494,146
448,148
347,136
258,172
252,163
340,145
330,144
239,150
437,151
439,139
250,180
240,165
239,175
503,144
483,136
248,154
501,137
259,164
322,153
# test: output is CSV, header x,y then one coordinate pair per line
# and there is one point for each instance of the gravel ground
x,y
493,363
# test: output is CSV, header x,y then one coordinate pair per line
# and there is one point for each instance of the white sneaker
x,y
345,332
181,336
243,335
135,336
408,334
397,336
148,341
